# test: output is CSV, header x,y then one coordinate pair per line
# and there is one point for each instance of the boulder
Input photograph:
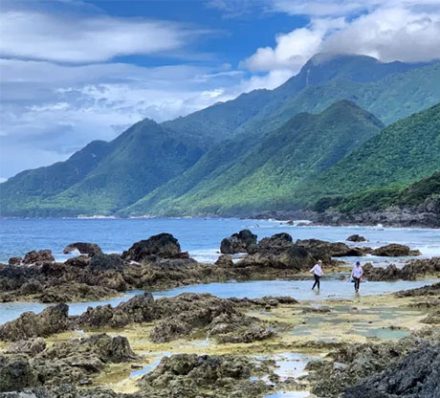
x,y
51,320
15,373
15,261
395,250
158,246
325,250
356,238
38,257
89,249
238,242
416,375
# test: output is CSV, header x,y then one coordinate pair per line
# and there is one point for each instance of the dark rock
x,y
356,238
15,373
415,375
325,250
136,310
15,261
38,257
107,261
90,249
81,261
395,250
238,242
51,320
163,246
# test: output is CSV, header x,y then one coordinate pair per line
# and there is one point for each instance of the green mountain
x,y
377,173
264,175
212,149
139,160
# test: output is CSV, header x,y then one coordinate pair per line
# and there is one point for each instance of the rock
x,y
38,257
191,376
15,261
274,244
31,346
415,375
81,261
410,271
356,238
136,310
89,249
395,250
158,246
51,320
225,261
107,262
15,373
31,287
238,242
325,250
190,313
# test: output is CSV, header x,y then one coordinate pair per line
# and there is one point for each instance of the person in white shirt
x,y
317,273
356,275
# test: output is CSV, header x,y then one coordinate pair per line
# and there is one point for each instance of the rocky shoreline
x,y
199,345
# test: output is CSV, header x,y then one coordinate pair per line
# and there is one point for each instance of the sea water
x,y
200,236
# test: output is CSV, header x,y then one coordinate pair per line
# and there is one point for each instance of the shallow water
x,y
300,290
200,236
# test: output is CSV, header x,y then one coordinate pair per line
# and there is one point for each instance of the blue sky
x,y
72,71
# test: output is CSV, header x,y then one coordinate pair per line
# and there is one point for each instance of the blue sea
x,y
201,237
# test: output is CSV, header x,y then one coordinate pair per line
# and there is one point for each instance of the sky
x,y
72,71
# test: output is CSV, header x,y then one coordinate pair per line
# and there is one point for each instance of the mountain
x,y
376,174
139,160
263,175
142,163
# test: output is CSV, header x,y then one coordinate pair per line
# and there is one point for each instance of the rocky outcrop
x,y
190,313
158,246
51,320
356,238
89,249
15,261
225,261
415,375
38,257
395,250
31,346
325,250
136,310
410,271
190,376
238,243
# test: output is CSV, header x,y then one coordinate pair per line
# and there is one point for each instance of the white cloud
x,y
30,34
293,49
51,110
405,30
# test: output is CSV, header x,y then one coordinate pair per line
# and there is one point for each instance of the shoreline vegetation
x,y
193,345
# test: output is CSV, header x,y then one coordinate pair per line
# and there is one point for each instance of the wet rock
x,y
274,244
51,320
74,291
89,249
38,257
81,261
15,261
238,242
163,246
390,273
429,290
31,287
107,262
415,375
356,238
224,261
395,250
15,373
410,271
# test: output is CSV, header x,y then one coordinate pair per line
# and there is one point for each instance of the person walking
x,y
356,275
317,273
